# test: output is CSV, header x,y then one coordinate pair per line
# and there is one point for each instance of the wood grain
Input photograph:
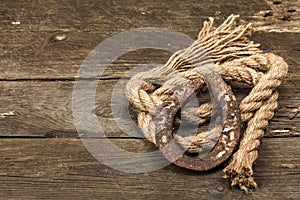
x,y
63,169
44,109
41,156
34,55
110,17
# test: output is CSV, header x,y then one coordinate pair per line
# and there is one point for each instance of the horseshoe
x,y
227,140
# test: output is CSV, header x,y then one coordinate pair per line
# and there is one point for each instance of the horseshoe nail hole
x,y
221,154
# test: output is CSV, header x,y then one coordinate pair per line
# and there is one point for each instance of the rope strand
x,y
237,59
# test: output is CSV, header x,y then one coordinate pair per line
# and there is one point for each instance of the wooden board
x,y
44,109
34,55
41,156
109,17
63,169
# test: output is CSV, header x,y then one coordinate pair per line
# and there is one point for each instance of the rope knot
x,y
160,93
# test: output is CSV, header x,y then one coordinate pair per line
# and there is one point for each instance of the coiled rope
x,y
237,59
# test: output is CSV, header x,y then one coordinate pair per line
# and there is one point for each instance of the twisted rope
x,y
238,60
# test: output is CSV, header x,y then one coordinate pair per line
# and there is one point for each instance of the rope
x,y
237,59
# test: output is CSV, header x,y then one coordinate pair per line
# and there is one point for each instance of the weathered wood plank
x,y
112,16
34,104
38,108
36,56
63,169
268,15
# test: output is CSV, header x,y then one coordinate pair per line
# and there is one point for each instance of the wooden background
x,y
41,155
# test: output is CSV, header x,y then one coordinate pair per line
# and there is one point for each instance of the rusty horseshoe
x,y
226,142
